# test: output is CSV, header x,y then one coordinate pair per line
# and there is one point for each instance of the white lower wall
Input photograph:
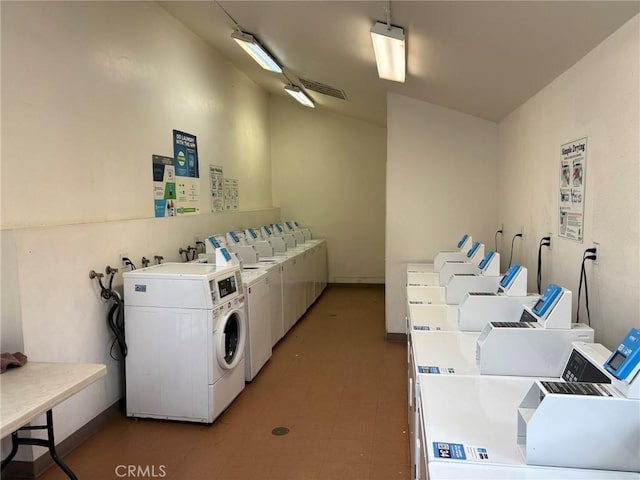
x,y
329,174
10,324
441,183
597,98
63,317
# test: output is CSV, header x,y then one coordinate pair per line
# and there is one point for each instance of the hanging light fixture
x,y
262,56
388,46
297,93
250,45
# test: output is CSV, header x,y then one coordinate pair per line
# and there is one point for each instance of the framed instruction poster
x,y
573,164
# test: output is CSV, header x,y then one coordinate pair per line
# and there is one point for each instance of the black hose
x,y
495,237
115,317
589,254
511,254
544,242
115,320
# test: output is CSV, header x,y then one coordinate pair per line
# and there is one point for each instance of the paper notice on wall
x,y
164,186
187,196
573,164
216,186
231,195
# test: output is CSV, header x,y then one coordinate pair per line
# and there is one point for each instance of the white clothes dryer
x,y
229,345
185,329
258,310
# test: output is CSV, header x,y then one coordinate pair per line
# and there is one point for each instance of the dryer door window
x,y
231,345
231,338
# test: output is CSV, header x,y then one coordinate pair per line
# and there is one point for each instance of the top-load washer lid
x,y
231,338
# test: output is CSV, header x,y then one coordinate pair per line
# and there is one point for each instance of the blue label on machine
x,y
140,288
624,361
289,225
252,233
268,230
463,240
547,299
458,451
279,228
225,254
428,369
452,451
214,242
509,276
473,250
485,261
234,237
424,327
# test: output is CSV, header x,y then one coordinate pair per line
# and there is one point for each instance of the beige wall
x,y
441,183
329,174
448,173
597,98
90,90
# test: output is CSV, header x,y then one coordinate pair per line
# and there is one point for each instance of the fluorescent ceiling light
x,y
299,95
250,45
388,45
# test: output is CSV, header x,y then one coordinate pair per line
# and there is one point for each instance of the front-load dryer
x,y
229,345
185,329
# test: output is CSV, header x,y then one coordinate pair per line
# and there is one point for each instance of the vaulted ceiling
x,y
484,58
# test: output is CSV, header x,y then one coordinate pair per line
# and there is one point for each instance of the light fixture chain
x,y
388,10
228,15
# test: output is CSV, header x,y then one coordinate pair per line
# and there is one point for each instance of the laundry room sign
x,y
176,180
573,165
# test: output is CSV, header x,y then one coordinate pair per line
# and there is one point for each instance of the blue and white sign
x,y
457,451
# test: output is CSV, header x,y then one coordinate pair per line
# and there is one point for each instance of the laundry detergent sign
x,y
185,154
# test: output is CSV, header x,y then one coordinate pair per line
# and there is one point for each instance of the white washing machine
x,y
432,317
185,329
469,429
258,305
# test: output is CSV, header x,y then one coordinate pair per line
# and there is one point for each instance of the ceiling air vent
x,y
323,89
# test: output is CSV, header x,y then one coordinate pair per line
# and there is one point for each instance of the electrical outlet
x,y
596,245
198,237
550,235
123,264
522,231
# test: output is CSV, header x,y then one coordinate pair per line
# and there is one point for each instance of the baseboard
x,y
396,337
368,285
19,470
